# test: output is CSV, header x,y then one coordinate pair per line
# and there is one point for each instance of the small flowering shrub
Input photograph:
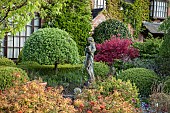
x,y
6,62
10,76
32,97
95,101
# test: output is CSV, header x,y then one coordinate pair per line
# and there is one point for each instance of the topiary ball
x,y
142,78
10,76
6,62
109,28
50,45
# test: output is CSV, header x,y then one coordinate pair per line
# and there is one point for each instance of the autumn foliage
x,y
115,48
34,98
95,101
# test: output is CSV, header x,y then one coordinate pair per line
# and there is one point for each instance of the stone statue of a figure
x,y
89,52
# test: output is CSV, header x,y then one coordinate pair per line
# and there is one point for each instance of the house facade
x,y
11,45
159,11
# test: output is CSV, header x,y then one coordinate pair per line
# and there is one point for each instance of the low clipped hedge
x,y
6,62
29,63
67,73
10,76
101,69
142,78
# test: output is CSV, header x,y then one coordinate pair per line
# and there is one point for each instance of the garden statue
x,y
89,52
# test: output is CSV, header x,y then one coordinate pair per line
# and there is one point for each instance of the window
x,y
99,4
158,9
130,1
13,44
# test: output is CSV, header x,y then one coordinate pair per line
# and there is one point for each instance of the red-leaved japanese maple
x,y
115,48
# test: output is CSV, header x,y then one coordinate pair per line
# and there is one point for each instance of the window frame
x,y
5,46
154,12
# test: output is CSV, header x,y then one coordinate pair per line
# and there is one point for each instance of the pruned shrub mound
x,y
32,97
110,96
109,28
50,45
142,78
6,62
10,76
100,69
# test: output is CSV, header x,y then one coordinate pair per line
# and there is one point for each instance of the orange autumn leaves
x,y
32,98
114,103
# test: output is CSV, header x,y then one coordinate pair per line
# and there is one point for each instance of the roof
x,y
153,27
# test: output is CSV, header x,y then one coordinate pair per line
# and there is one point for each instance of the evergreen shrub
x,y
75,18
149,48
19,59
6,62
167,85
101,69
49,46
163,61
142,78
108,28
10,76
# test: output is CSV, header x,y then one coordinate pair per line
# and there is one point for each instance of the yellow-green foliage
x,y
132,13
113,10
6,62
140,13
10,76
32,97
122,97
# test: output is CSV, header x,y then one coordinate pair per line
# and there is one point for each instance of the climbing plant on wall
x,y
132,13
113,10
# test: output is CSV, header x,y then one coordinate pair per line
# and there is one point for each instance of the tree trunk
x,y
56,67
